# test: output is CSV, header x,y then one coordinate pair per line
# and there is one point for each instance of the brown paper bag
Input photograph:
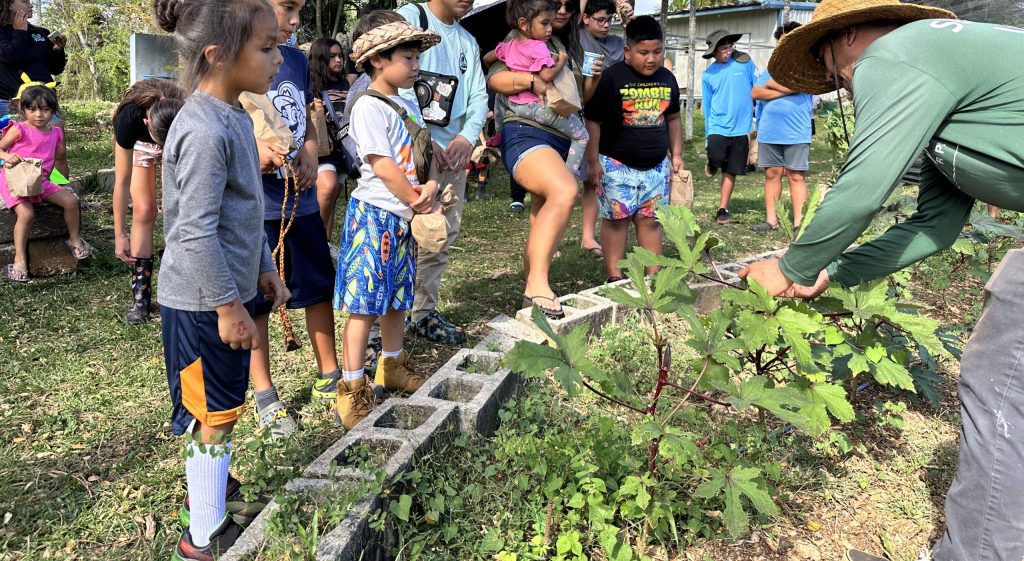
x,y
323,137
268,125
430,230
25,179
682,189
562,96
752,151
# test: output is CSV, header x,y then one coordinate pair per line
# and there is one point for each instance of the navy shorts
x,y
308,268
519,139
207,378
728,153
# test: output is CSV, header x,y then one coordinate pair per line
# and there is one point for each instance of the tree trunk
x,y
664,16
337,19
691,58
91,61
319,7
785,12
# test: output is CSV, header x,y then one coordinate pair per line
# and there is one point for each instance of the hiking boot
x,y
326,386
240,511
398,374
142,291
436,329
221,539
723,216
764,227
355,400
516,207
277,420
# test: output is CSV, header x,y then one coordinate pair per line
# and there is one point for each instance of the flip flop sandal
x,y
16,275
550,313
81,252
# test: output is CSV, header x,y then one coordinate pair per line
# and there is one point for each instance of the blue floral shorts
x,y
625,191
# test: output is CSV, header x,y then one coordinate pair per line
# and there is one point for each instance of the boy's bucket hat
x,y
390,35
717,38
794,65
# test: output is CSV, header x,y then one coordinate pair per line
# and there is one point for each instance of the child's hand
x,y
595,172
271,156
425,202
273,289
122,248
597,67
305,166
236,327
12,160
562,57
677,164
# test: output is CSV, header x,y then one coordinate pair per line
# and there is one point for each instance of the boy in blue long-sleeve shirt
x,y
728,112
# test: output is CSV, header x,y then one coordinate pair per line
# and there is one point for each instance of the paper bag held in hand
x,y
268,125
25,179
430,230
682,189
562,96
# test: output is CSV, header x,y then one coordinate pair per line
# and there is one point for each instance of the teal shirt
x,y
953,87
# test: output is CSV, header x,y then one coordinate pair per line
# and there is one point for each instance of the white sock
x,y
391,354
350,375
207,477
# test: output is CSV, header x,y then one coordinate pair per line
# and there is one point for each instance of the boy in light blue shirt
x,y
457,55
784,142
728,112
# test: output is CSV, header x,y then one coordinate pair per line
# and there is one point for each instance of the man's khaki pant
x,y
430,266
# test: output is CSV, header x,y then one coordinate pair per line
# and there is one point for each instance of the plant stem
x,y
703,369
720,281
610,398
697,394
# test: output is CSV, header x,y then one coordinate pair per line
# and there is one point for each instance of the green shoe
x,y
240,511
326,386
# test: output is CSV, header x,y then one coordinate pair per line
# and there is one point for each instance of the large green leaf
x,y
797,327
890,373
740,483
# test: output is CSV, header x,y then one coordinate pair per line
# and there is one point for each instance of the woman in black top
x,y
25,48
328,79
141,122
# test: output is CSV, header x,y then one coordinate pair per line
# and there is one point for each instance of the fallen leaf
x,y
70,546
813,525
150,527
7,517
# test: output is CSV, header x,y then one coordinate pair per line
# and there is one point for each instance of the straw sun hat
x,y
794,65
390,35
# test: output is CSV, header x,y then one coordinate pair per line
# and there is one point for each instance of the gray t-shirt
x,y
612,46
213,208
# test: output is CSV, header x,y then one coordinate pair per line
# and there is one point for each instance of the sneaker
x,y
242,512
708,170
723,216
326,387
516,207
397,374
355,400
764,227
481,191
373,348
277,420
221,539
436,329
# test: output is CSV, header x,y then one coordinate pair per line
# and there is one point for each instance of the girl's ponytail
x,y
166,12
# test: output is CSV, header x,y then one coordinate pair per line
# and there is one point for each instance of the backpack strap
x,y
423,17
423,148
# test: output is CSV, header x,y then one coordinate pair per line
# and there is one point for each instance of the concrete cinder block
x,y
423,424
253,539
515,329
343,459
477,397
579,310
353,539
497,342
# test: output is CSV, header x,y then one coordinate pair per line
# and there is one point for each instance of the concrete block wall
x,y
462,397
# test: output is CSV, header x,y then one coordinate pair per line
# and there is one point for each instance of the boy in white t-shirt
x,y
377,265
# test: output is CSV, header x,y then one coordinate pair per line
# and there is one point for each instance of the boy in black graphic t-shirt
x,y
633,121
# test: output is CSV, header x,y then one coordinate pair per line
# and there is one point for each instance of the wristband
x,y
531,84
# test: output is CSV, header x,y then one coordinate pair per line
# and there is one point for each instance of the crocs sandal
x,y
550,313
436,329
15,274
80,252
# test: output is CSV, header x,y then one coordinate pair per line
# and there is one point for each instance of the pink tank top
x,y
38,144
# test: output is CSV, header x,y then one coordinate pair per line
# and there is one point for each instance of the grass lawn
x,y
90,470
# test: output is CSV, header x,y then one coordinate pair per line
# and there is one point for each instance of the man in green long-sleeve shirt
x,y
922,80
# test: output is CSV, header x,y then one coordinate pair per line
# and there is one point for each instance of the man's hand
x,y
440,157
305,166
458,152
271,156
800,291
425,202
768,274
236,327
273,289
122,248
